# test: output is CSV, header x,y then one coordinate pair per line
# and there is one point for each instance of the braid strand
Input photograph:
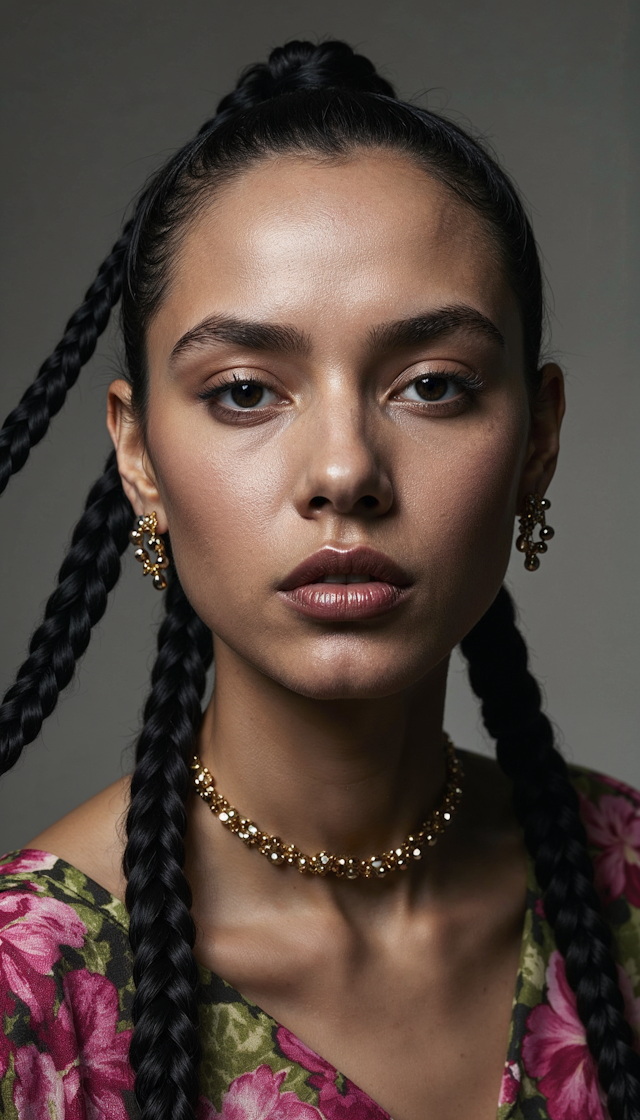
x,y
547,806
165,1048
28,422
88,573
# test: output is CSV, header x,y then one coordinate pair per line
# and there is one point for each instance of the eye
x,y
243,395
432,388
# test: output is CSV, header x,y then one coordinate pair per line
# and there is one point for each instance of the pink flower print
x,y
29,859
205,1110
82,1072
38,1093
347,1103
555,1052
87,1038
613,826
257,1096
621,787
510,1086
32,929
296,1050
41,1092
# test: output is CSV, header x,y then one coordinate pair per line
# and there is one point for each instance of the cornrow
x,y
28,422
88,573
546,804
165,1047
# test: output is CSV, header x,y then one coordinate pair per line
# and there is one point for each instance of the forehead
x,y
330,243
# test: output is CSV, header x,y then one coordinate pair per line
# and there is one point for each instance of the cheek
x,y
224,501
459,501
464,489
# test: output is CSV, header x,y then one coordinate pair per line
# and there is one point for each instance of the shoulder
x,y
57,901
91,837
65,979
41,917
592,786
49,910
610,811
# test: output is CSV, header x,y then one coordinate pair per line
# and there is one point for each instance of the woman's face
x,y
337,364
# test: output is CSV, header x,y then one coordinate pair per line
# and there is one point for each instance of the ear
x,y
136,470
547,412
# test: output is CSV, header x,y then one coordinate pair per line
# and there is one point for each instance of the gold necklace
x,y
347,867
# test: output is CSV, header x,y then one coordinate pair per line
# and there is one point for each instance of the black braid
x,y
89,571
547,807
28,422
165,1048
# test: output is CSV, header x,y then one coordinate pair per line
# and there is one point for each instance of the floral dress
x,y
66,990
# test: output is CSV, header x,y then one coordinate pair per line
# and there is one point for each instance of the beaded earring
x,y
534,514
148,523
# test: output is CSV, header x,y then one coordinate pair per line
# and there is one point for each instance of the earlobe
x,y
547,412
136,472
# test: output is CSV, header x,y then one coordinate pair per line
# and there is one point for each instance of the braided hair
x,y
319,99
165,1049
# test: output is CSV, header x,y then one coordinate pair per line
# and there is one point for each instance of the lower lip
x,y
345,602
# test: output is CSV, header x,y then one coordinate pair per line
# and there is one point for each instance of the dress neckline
x,y
115,910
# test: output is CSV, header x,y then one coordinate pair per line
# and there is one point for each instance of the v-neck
x,y
67,979
223,1009
323,1073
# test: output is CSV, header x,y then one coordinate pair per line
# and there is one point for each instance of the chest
x,y
421,1028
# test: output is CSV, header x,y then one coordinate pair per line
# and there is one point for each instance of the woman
x,y
335,409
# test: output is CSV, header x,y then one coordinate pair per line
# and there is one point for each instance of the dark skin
x,y
329,734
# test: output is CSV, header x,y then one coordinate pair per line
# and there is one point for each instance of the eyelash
x,y
233,415
471,384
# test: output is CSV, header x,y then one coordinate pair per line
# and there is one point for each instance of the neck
x,y
350,777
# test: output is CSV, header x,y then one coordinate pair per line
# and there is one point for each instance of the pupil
x,y
431,388
246,393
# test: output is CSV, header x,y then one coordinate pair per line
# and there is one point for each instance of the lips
x,y
361,561
345,585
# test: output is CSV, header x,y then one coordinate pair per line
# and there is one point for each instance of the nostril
x,y
367,501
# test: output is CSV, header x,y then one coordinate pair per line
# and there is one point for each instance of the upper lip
x,y
361,561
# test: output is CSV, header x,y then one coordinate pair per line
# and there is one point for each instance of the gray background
x,y
95,95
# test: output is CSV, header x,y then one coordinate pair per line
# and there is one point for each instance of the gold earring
x,y
148,523
534,514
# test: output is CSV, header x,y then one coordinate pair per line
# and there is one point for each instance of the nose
x,y
343,471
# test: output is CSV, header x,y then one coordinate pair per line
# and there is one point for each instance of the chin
x,y
336,666
349,678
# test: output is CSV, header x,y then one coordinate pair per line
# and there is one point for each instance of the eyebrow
x,y
243,332
442,320
282,339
